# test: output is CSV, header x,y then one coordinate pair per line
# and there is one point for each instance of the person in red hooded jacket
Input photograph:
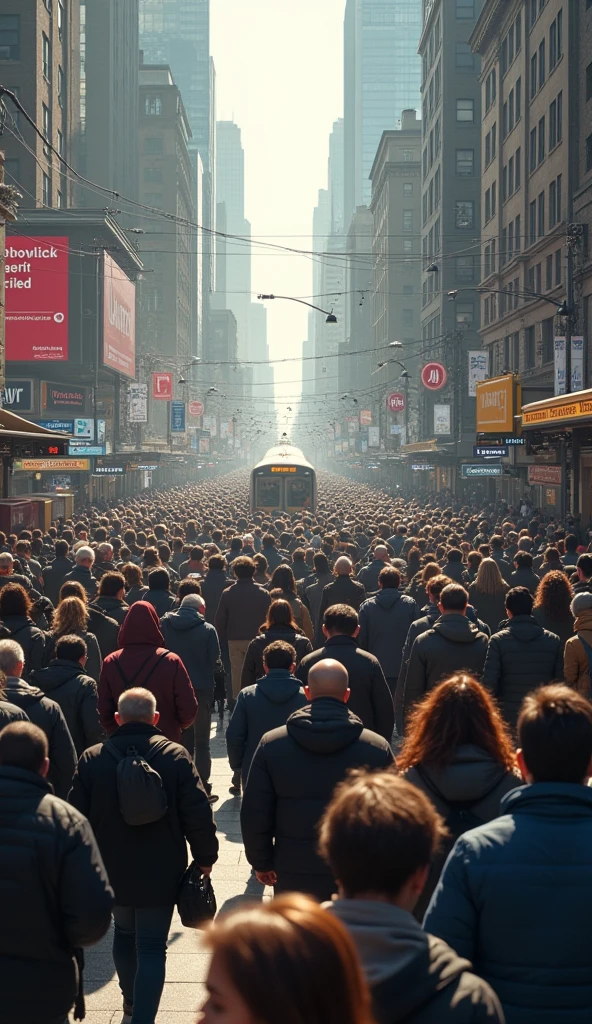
x,y
143,660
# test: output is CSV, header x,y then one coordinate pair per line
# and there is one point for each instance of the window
x,y
60,142
559,116
464,268
465,162
465,111
552,206
408,156
465,10
555,40
407,189
490,89
46,190
487,149
487,214
589,81
532,222
424,202
153,145
553,124
504,57
511,176
464,215
541,152
518,168
61,85
518,32
437,188
538,277
425,161
558,266
533,75
549,273
61,20
504,183
46,57
511,110
10,37
407,220
517,235
493,198
46,115
532,159
529,348
518,92
505,120
510,240
153,106
504,247
407,318
541,214
493,140
558,206
534,12
61,202
542,64
464,57
511,44
407,245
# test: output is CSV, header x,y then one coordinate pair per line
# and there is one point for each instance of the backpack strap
x,y
153,749
132,682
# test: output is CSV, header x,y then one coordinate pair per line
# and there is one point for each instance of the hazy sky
x,y
279,76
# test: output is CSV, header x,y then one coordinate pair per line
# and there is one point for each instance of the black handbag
x,y
196,900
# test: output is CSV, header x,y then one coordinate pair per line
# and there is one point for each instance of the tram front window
x,y
299,492
268,493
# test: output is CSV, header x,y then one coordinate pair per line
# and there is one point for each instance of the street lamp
x,y
194,362
331,318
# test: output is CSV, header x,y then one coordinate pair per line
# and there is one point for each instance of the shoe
x,y
212,798
128,1012
235,786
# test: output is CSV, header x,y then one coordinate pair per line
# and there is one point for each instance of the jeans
x,y
139,954
196,739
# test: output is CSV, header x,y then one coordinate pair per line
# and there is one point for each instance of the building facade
x,y
233,258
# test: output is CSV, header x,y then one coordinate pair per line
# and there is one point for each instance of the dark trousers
x,y
139,954
196,739
320,887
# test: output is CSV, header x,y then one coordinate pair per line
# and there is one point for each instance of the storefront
x,y
563,426
51,476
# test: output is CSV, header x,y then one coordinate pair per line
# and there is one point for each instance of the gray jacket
x,y
385,621
187,634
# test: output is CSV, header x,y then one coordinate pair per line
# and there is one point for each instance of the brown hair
x,y
72,588
429,571
555,734
14,600
554,595
280,613
457,711
132,575
71,616
292,963
436,585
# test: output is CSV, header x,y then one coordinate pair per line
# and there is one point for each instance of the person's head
x,y
71,616
6,563
299,555
552,555
132,575
24,745
195,602
14,600
196,554
341,620
583,567
85,557
389,578
554,594
555,735
453,600
112,584
456,713
280,613
137,705
454,555
343,566
320,562
380,819
188,586
381,553
268,541
429,571
243,568
105,552
283,579
581,604
12,658
71,648
151,558
279,655
519,601
62,548
327,678
284,962
489,578
159,579
497,543
523,560
217,563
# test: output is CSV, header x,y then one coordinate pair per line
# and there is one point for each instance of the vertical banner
x,y
36,295
560,366
577,364
177,417
119,319
162,386
138,403
373,437
478,370
441,419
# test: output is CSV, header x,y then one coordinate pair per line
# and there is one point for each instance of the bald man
x,y
368,576
293,774
343,590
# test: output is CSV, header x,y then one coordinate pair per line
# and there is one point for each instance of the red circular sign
x,y
396,402
433,376
196,408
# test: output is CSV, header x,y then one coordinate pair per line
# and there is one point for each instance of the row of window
x,y
511,241
511,44
490,202
538,137
512,108
431,197
512,175
538,59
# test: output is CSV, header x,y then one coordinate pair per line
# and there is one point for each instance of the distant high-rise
x,y
336,178
233,257
382,77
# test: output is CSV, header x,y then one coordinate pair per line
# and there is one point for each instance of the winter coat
x,y
300,612
213,586
505,567
370,698
144,661
187,634
54,575
456,571
113,607
161,600
93,660
81,574
453,644
520,658
11,713
563,628
489,607
516,899
576,669
47,714
525,578
260,708
136,593
313,596
368,576
145,863
105,628
17,577
56,897
242,609
413,977
76,693
274,558
385,621
344,590
31,639
292,778
253,663
100,568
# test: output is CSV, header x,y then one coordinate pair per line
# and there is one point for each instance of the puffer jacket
x,y
515,898
195,641
260,708
453,644
385,621
489,607
520,658
31,639
253,663
576,668
113,607
76,693
47,714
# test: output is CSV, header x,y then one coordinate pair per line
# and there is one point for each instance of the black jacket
x,y
94,660
344,590
258,710
54,575
293,774
187,634
161,600
145,863
113,608
76,693
48,715
370,697
213,585
455,571
105,628
31,639
451,645
385,621
135,593
253,663
520,658
11,713
368,576
55,898
524,578
81,574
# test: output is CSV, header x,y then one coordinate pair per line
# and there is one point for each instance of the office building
x,y
233,257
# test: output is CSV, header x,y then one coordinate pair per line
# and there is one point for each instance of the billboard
x,y
441,419
36,289
137,406
119,319
55,398
497,404
162,386
17,395
177,417
478,370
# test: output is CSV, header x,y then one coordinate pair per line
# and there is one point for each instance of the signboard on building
x,y
17,395
84,429
497,402
422,467
365,417
433,376
490,451
53,465
545,475
66,426
480,469
478,369
558,410
138,403
162,386
36,296
109,470
196,409
577,364
177,417
396,402
56,397
374,437
441,419
559,365
119,319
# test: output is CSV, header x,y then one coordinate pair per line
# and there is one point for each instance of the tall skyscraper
x,y
233,257
382,77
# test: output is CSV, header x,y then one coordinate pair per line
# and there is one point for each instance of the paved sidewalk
x,y
184,990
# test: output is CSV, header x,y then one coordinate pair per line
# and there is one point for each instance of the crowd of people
x,y
404,684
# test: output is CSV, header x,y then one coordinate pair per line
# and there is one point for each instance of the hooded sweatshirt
x,y
413,977
260,708
385,621
451,645
187,633
76,693
144,661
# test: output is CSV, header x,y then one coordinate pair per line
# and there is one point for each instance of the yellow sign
x,y
497,404
53,465
283,469
556,410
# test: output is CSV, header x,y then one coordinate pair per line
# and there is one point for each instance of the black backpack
x,y
142,796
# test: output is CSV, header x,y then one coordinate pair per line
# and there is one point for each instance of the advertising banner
x,y
374,437
365,417
433,376
119,319
559,376
84,429
54,397
497,403
480,469
67,426
138,403
577,364
17,395
441,419
196,409
395,402
545,475
177,417
53,465
162,386
478,370
36,290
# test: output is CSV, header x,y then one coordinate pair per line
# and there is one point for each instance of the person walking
x,y
72,617
282,586
15,617
213,585
524,575
84,559
370,574
293,774
578,649
55,573
488,594
385,621
145,862
243,607
111,597
65,681
279,625
551,607
343,590
159,591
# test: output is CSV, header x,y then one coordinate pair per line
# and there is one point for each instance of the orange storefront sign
x,y
497,403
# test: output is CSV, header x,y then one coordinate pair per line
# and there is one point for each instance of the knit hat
x,y
581,603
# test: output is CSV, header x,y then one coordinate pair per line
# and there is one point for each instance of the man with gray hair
x,y
42,711
8,575
85,558
103,561
187,634
344,589
145,863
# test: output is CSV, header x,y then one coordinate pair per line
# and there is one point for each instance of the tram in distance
x,y
283,481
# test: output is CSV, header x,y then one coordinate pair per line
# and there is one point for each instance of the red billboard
x,y
119,319
162,386
36,289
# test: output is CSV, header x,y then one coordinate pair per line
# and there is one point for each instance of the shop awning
x,y
12,425
563,410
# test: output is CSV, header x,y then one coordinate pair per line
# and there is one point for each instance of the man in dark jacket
x,y
187,634
370,698
583,571
8,575
497,553
159,592
103,561
413,977
145,863
524,575
213,585
454,567
265,706
64,681
273,556
344,589
55,573
508,898
111,597
242,610
293,774
385,621
368,576
520,657
452,644
82,571
42,711
56,896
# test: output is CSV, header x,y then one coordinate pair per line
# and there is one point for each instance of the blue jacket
x,y
260,708
516,898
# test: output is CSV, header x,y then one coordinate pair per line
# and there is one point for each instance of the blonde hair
x,y
71,616
489,579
